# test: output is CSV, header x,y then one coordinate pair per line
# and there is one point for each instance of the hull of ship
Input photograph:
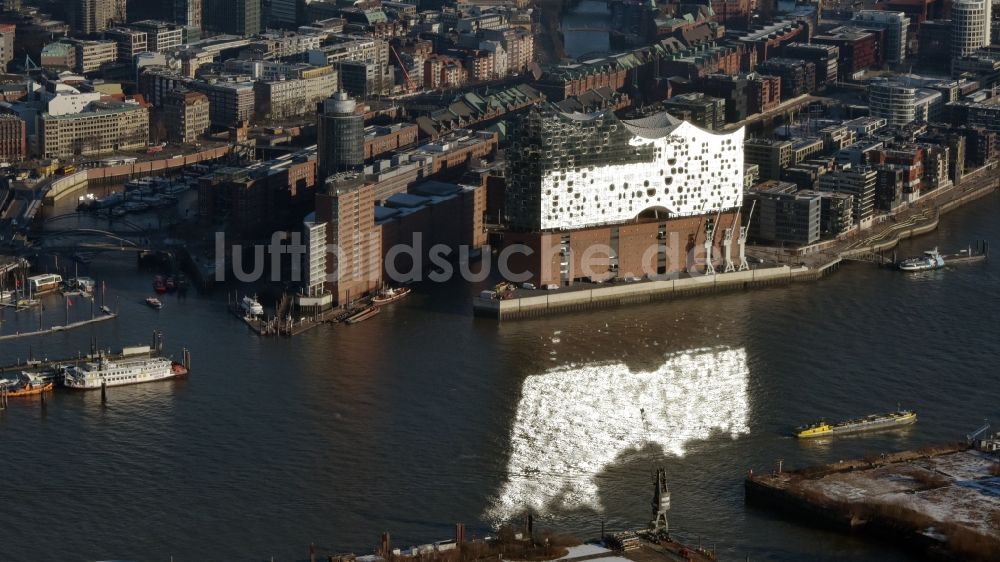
x,y
877,426
914,268
388,300
34,391
122,383
873,426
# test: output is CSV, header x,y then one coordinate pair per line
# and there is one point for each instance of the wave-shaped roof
x,y
653,126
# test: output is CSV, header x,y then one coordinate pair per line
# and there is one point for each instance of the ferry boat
x,y
24,385
44,283
136,365
932,259
251,306
868,423
390,295
154,302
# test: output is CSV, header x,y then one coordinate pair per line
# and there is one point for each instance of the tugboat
x,y
24,385
931,259
154,303
390,295
868,423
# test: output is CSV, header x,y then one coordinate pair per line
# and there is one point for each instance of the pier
x,y
939,500
528,304
53,329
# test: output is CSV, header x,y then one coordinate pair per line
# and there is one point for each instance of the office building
x,y
92,55
102,128
901,101
704,111
186,114
130,42
824,57
235,17
187,13
970,26
860,182
340,135
94,16
782,213
160,35
346,204
896,26
771,156
732,89
798,77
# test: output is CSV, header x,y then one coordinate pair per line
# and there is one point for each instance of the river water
x,y
425,415
584,29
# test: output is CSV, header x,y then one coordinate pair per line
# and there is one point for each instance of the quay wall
x,y
642,292
111,174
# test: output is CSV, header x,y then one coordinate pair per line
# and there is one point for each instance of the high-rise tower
x,y
340,135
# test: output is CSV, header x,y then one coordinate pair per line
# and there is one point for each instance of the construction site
x,y
525,542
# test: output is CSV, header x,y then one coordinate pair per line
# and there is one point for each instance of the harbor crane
x,y
661,493
744,230
972,437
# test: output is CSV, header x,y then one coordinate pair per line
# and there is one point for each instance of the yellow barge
x,y
868,423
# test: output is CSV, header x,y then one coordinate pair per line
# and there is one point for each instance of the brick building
x,y
186,114
13,138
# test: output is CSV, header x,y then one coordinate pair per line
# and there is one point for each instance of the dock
x,y
54,329
938,500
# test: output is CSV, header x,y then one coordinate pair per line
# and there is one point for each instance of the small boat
x,y
932,259
390,295
24,385
251,306
158,285
363,315
867,423
178,369
86,201
154,302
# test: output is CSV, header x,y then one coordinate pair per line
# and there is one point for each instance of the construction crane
x,y
402,66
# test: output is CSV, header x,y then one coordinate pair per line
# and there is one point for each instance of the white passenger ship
x,y
136,365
